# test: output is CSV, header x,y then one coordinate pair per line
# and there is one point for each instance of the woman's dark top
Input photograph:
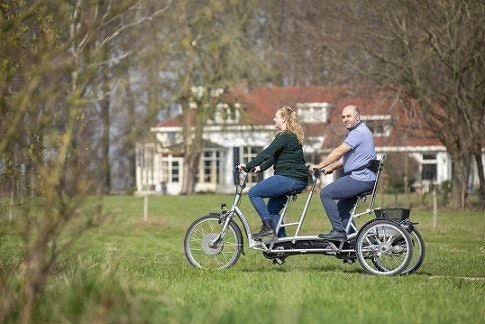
x,y
285,154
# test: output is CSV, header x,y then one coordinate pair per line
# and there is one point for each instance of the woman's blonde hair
x,y
292,123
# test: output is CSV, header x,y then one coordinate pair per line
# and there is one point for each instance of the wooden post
x,y
435,209
145,207
10,212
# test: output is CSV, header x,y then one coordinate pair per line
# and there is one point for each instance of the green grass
x,y
131,270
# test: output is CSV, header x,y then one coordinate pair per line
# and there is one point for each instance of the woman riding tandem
x,y
285,153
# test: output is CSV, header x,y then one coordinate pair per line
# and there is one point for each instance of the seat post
x,y
362,197
376,184
291,196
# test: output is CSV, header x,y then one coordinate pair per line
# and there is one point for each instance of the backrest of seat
x,y
378,167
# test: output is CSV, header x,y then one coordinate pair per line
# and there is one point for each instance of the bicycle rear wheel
x,y
383,247
419,251
204,250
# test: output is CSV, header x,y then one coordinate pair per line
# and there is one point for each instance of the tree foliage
x,y
214,45
434,54
430,52
53,59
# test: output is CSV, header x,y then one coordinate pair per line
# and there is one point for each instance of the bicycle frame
x,y
236,211
267,246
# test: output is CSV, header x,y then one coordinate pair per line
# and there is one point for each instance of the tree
x,y
303,36
435,56
211,48
430,52
51,55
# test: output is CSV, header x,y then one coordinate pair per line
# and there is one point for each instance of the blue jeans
x,y
274,188
345,189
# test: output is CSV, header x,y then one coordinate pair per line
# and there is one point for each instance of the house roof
x,y
259,105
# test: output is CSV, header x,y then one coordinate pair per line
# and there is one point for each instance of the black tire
x,y
383,247
419,252
201,233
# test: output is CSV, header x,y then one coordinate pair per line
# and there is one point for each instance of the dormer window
x,y
226,114
314,112
379,125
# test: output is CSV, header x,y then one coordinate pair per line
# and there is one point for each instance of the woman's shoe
x,y
266,229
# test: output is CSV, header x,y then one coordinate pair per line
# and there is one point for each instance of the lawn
x,y
133,270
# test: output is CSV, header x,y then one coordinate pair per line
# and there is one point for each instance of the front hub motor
x,y
208,248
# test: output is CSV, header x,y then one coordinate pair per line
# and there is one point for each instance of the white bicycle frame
x,y
267,246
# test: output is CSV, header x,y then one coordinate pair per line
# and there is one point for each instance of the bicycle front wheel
x,y
205,248
384,248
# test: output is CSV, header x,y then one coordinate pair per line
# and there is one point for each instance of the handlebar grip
x,y
236,168
317,171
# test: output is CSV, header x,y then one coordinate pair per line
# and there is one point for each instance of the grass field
x,y
134,270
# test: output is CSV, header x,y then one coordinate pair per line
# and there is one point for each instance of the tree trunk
x,y
189,148
105,143
459,179
132,138
481,178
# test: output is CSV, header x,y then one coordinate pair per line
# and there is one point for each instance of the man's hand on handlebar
x,y
315,169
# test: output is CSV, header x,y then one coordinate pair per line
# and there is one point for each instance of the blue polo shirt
x,y
361,141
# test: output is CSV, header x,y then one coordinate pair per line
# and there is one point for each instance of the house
x,y
247,128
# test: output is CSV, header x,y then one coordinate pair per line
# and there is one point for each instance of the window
x,y
429,167
209,167
226,114
428,172
144,164
247,154
314,112
171,169
379,125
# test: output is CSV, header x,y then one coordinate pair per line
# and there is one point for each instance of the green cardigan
x,y
285,154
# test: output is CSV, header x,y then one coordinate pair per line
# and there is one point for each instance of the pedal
x,y
266,238
279,261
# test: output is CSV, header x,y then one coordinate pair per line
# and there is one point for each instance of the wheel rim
x,y
418,252
383,248
201,252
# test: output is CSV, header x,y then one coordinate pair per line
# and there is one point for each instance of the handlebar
x,y
317,171
236,168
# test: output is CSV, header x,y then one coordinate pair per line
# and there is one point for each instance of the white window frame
x,y
171,169
226,114
247,153
211,172
314,112
380,125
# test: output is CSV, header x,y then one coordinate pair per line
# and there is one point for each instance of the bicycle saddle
x,y
365,193
294,192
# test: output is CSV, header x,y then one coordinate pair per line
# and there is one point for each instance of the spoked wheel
x,y
419,252
205,249
383,247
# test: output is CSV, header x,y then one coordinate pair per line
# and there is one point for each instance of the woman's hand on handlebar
x,y
313,169
242,167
